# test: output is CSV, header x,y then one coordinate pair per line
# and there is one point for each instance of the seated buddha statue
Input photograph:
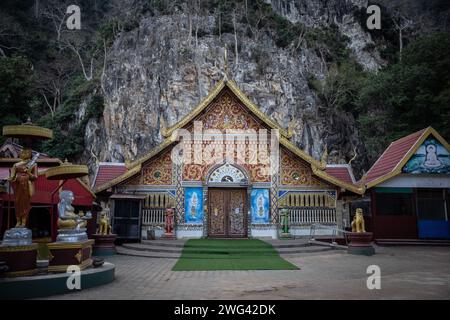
x,y
67,218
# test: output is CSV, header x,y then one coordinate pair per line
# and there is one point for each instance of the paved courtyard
x,y
406,273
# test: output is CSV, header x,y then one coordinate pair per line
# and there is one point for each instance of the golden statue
x,y
23,175
104,226
358,222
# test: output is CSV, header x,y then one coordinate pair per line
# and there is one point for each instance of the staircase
x,y
302,246
171,249
153,249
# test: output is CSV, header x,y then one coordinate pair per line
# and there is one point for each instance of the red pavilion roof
x,y
108,171
342,172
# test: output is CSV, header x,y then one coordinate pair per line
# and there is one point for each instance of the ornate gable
x,y
297,172
226,112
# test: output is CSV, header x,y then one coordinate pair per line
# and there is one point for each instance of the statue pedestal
x,y
360,243
72,235
19,252
104,244
284,235
21,260
168,236
65,254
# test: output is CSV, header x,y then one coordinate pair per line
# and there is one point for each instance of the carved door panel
x,y
236,213
217,222
227,216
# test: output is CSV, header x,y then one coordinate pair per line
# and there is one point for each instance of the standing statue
x,y
23,175
358,222
169,220
285,220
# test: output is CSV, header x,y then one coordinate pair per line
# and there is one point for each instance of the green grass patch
x,y
230,254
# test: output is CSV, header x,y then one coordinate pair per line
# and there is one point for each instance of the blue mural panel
x,y
193,204
431,157
260,205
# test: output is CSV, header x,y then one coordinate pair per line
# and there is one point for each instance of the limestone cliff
x,y
157,72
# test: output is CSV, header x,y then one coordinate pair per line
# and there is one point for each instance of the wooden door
x,y
227,213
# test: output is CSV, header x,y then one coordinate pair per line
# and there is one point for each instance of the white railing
x,y
335,233
153,217
306,216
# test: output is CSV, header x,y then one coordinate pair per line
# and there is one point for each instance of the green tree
x,y
409,95
16,77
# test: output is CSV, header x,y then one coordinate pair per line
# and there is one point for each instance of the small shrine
x,y
72,249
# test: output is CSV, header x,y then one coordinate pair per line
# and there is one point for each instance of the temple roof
x,y
240,95
318,167
108,171
394,158
343,172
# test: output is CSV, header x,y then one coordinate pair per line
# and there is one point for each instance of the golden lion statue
x,y
104,226
358,222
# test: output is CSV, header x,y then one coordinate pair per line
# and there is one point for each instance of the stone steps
x,y
152,248
173,248
303,245
147,254
165,243
304,250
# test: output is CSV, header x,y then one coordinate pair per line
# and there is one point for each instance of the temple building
x,y
41,221
226,168
408,188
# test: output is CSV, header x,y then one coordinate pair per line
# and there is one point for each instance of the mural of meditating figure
x,y
431,159
23,175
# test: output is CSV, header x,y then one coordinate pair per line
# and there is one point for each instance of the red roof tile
x,y
392,156
108,171
342,172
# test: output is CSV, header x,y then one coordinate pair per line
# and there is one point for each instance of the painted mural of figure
x,y
431,159
261,206
193,205
23,175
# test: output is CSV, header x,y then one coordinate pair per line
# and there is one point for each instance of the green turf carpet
x,y
230,254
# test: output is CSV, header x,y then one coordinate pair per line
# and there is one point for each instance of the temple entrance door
x,y
227,209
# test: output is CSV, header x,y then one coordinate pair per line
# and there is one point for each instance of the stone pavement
x,y
406,273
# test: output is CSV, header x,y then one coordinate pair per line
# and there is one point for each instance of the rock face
x,y
156,73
